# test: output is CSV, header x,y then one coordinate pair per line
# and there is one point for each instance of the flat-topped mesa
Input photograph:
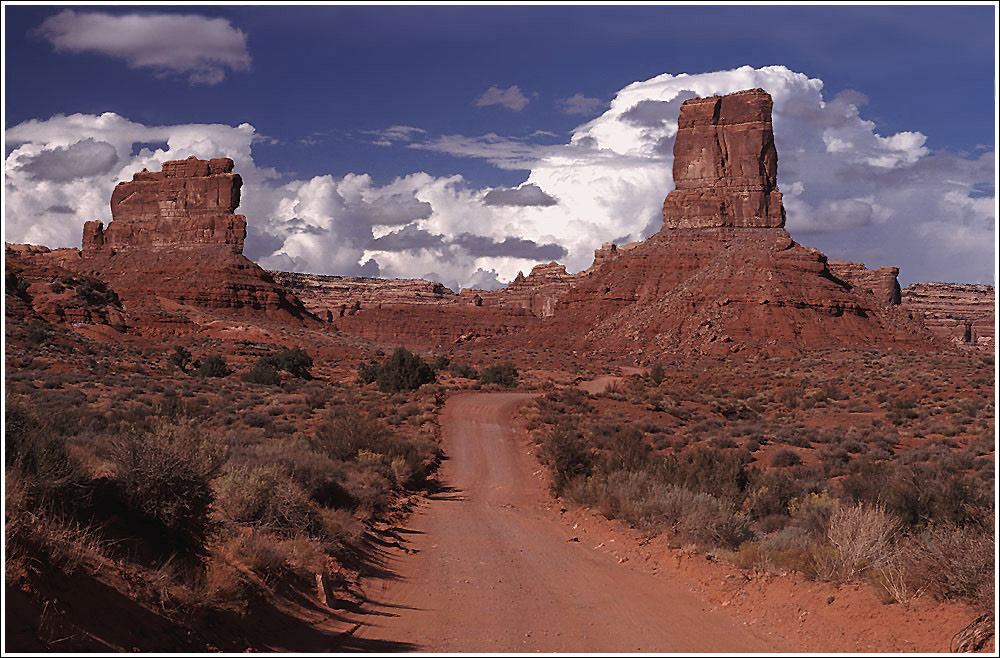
x,y
725,165
190,202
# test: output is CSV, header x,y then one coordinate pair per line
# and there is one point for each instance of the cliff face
x,y
190,203
883,282
332,297
725,164
960,312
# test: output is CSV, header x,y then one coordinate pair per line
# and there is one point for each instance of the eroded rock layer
x,y
883,282
960,312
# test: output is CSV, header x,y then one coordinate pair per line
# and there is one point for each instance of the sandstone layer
x,y
883,282
960,312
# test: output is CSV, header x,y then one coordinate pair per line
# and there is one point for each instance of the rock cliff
x,y
725,164
960,312
883,282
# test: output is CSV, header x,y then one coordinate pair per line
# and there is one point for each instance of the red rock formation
x,y
725,164
722,276
881,282
330,297
175,238
960,312
190,202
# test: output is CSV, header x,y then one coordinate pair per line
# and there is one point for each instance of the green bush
x,y
95,292
262,373
403,371
656,374
180,357
505,374
214,365
295,361
164,479
568,456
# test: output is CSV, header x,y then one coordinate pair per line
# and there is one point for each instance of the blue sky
x,y
321,85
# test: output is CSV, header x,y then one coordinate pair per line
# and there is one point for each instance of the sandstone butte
x,y
722,276
174,239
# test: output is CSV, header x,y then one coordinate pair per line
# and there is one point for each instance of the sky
x,y
466,143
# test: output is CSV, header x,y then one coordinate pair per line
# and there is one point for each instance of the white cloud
x,y
202,48
886,200
512,98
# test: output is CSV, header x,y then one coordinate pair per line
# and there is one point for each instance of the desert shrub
x,y
656,373
37,333
403,371
214,365
180,357
265,497
918,494
568,456
863,540
464,371
35,450
649,504
296,362
263,373
504,374
721,473
347,432
163,477
950,562
785,457
771,494
624,448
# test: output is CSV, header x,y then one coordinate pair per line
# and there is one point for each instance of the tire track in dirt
x,y
488,566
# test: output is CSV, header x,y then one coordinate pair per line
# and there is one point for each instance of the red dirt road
x,y
487,566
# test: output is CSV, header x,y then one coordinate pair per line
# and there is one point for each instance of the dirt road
x,y
485,566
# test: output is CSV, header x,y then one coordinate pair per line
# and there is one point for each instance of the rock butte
x,y
722,276
175,240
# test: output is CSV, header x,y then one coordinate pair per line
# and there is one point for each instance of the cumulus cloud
x,y
61,164
579,104
512,98
526,195
848,190
202,48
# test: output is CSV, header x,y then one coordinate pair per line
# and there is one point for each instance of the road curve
x,y
487,567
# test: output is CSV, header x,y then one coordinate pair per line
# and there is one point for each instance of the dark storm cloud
x,y
61,210
479,245
62,164
526,195
654,114
412,238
